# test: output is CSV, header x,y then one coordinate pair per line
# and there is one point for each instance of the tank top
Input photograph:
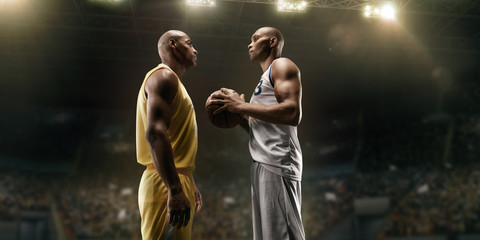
x,y
182,131
276,146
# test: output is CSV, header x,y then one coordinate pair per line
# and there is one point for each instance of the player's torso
x,y
182,130
264,93
275,145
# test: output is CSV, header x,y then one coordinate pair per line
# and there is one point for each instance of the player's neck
x,y
267,62
177,68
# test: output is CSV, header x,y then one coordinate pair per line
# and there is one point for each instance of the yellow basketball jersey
x,y
182,130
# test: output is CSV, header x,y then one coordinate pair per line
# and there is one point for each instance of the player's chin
x,y
192,64
253,57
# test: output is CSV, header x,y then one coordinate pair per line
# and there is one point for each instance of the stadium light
x,y
387,11
205,3
291,6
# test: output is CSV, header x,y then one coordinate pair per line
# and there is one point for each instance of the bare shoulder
x,y
163,82
284,67
163,77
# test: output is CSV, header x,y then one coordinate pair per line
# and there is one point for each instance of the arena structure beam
x,y
436,7
88,30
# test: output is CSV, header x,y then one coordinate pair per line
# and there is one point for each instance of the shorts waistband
x,y
183,171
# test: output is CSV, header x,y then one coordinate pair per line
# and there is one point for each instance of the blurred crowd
x,y
97,208
22,192
424,201
447,203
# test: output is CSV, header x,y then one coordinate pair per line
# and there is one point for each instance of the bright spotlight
x,y
368,11
205,3
387,11
291,6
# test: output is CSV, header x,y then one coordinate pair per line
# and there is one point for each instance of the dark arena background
x,y
390,131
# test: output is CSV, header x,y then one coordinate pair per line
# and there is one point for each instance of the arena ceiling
x,y
72,49
91,55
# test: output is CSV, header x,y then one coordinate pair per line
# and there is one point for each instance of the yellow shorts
x,y
152,202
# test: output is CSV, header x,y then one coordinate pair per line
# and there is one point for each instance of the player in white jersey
x,y
271,118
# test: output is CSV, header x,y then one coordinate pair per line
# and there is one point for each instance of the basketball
x,y
225,119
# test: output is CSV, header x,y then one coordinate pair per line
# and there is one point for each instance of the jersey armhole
x,y
270,75
160,67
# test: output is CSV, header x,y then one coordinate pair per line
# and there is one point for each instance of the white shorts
x,y
276,206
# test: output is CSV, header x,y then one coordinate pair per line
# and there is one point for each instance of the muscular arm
x,y
161,88
288,92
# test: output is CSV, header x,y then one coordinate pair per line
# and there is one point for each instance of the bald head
x,y
165,39
176,48
273,32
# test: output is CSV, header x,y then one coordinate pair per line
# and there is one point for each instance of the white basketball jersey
x,y
274,145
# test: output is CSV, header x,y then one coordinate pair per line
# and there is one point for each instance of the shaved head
x,y
176,48
164,41
272,32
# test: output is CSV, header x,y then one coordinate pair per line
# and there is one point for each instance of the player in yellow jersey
x,y
167,143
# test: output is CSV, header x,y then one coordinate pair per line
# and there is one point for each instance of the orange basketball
x,y
225,119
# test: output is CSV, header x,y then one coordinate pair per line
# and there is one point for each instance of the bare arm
x,y
288,92
161,88
244,123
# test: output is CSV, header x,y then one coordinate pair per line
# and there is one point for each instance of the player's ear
x,y
273,42
171,42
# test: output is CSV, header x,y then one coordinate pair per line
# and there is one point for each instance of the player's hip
x,y
152,188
